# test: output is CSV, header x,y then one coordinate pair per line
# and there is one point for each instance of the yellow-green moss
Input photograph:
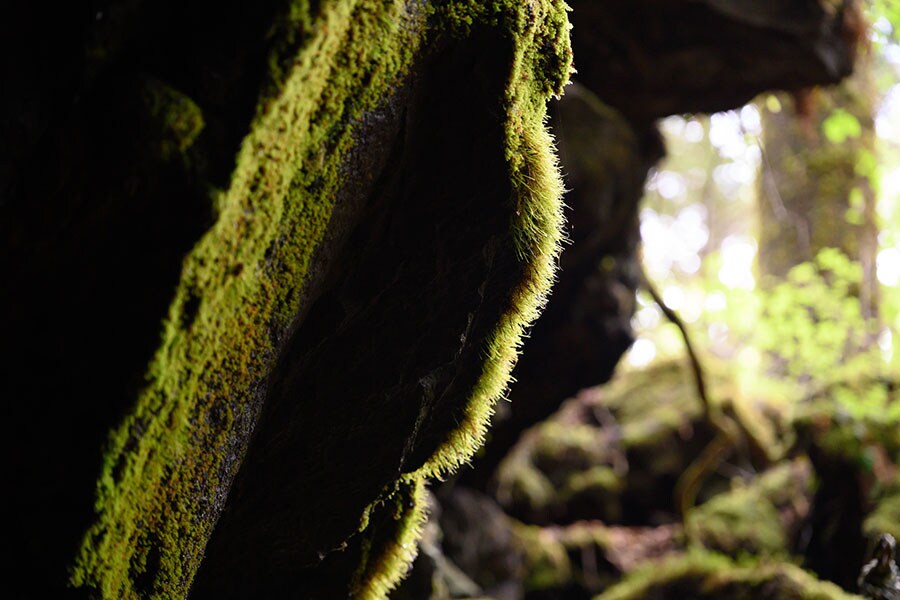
x,y
170,461
546,558
177,117
886,516
381,571
742,521
242,283
539,33
549,553
747,519
703,575
555,462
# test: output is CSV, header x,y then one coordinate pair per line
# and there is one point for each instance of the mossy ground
x,y
751,519
703,575
607,454
750,529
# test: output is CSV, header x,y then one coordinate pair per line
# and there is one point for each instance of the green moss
x,y
702,575
170,462
598,479
886,516
741,521
383,569
539,33
546,558
555,462
177,118
571,456
650,405
747,519
554,556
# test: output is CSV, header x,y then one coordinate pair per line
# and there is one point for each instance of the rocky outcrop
x,y
356,209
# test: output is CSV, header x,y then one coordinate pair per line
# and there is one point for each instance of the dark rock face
x,y
395,340
586,326
654,58
111,142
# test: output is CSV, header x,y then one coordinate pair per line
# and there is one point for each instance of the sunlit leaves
x,y
888,11
812,332
841,126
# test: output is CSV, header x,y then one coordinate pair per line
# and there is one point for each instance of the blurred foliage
x,y
802,339
889,10
813,337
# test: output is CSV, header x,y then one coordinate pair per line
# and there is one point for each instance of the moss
x,y
886,516
597,479
556,556
542,58
176,116
859,440
748,518
702,575
556,462
650,405
738,522
170,462
383,569
572,466
547,560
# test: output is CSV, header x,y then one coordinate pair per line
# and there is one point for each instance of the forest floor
x,y
635,490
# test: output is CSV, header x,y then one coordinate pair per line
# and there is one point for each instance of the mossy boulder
x,y
856,463
885,518
352,210
612,454
702,575
586,557
760,517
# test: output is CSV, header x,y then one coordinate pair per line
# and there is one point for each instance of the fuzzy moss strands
x,y
383,567
536,224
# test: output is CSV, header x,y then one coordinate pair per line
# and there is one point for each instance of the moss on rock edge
x,y
171,462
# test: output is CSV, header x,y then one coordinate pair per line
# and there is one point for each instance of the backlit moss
x,y
385,567
539,32
169,463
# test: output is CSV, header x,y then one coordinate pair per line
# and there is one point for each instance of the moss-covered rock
x,y
612,454
586,557
855,463
393,213
587,324
760,517
885,518
702,575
